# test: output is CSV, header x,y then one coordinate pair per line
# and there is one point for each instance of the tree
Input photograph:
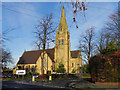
x,y
111,48
44,34
102,41
110,32
85,68
61,69
86,43
112,27
44,31
6,57
105,67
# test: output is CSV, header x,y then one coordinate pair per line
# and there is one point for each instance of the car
x,y
35,75
14,76
4,75
9,75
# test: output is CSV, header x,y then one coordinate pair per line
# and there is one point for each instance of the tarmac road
x,y
6,85
55,85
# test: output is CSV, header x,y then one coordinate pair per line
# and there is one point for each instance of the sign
x,y
20,72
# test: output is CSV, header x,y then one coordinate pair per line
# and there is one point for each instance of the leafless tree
x,y
6,57
4,35
112,27
44,33
86,43
109,32
102,41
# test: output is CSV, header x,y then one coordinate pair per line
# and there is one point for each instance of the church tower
x,y
62,45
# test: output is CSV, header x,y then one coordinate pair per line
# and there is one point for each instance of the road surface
x,y
6,85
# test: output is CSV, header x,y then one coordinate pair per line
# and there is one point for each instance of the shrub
x,y
42,76
49,73
85,68
61,69
105,67
73,71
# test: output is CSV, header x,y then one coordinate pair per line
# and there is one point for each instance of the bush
x,y
42,76
85,68
64,76
49,73
105,68
28,75
61,69
73,71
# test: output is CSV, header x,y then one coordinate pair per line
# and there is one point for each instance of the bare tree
x,y
44,34
6,57
3,35
86,43
44,31
102,40
110,32
112,27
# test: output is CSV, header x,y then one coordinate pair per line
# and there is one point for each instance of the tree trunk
x,y
42,61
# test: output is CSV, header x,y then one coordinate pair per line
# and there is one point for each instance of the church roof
x,y
74,54
30,57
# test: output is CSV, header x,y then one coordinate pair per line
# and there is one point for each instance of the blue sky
x,y
23,16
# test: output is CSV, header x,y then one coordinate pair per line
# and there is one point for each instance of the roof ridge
x,y
33,50
39,50
75,50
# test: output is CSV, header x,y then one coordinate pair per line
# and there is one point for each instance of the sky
x,y
22,17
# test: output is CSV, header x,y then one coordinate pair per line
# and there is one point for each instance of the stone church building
x,y
61,54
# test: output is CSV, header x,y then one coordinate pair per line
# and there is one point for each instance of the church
x,y
61,54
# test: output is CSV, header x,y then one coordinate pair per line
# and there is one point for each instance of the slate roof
x,y
74,54
30,57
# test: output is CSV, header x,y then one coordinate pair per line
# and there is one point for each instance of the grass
x,y
9,79
85,75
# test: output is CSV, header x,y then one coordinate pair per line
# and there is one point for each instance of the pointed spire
x,y
63,18
63,23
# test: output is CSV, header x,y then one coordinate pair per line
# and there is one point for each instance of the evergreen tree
x,y
111,48
61,69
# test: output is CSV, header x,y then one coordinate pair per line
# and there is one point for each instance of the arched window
x,y
33,69
23,67
72,64
19,67
59,42
26,69
61,28
62,41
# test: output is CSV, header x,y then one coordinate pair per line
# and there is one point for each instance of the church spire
x,y
63,24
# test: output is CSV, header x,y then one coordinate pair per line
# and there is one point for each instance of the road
x,y
55,84
6,85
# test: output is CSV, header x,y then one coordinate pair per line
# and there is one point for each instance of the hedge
x,y
105,68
